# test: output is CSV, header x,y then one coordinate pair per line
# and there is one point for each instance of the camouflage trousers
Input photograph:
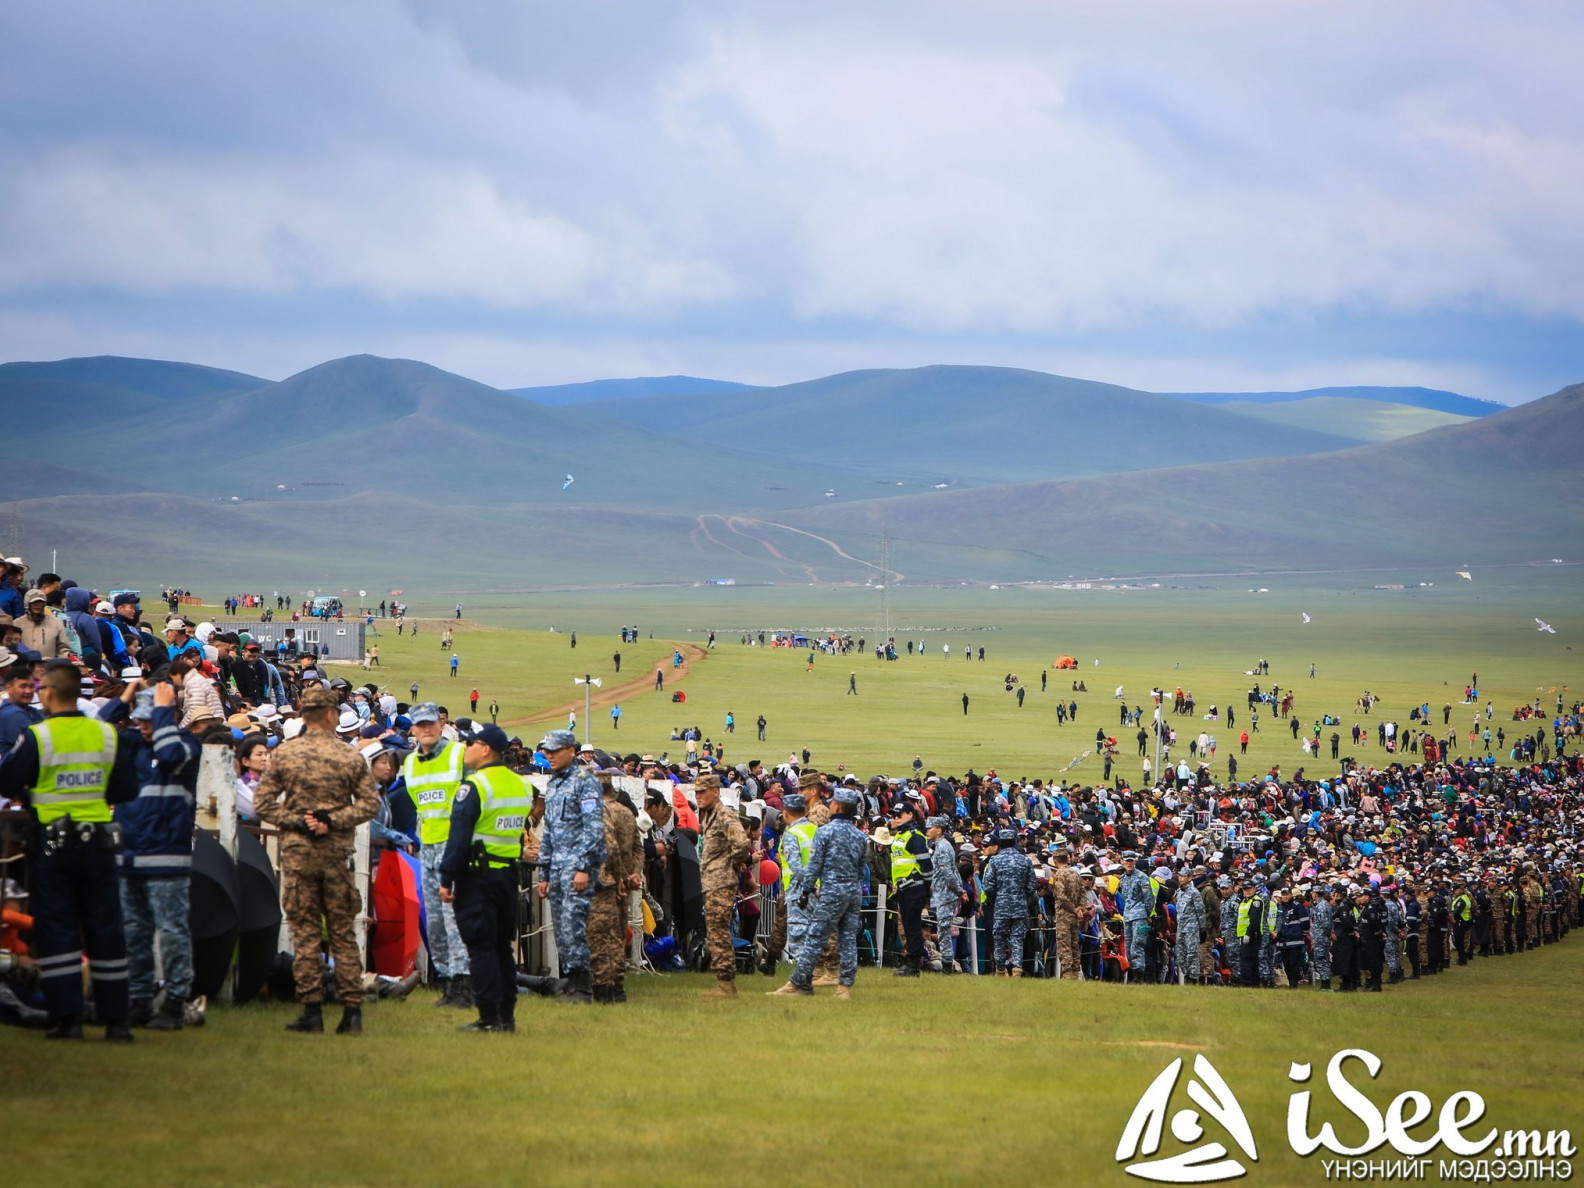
x,y
157,906
944,910
790,927
1267,960
446,950
569,913
1135,936
1010,933
607,935
1188,953
316,884
836,917
719,903
1321,959
1067,945
1393,953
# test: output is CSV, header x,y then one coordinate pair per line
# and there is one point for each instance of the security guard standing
x,y
479,874
432,773
69,770
1463,921
836,865
792,918
316,791
911,868
571,855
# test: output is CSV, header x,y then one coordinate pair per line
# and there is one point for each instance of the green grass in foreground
x,y
929,1082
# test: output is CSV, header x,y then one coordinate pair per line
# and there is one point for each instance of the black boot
x,y
603,995
311,1020
351,1021
1396,976
575,987
65,1031
488,1019
462,992
618,993
445,993
508,1016
140,1012
118,1033
1325,983
171,1013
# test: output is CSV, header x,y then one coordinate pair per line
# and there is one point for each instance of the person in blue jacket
x,y
156,851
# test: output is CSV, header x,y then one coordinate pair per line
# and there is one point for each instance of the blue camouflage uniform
x,y
1394,923
1190,925
798,889
1229,909
946,890
1009,876
1267,947
1136,896
573,841
836,862
1320,916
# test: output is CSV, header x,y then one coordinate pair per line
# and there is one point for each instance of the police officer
x,y
571,854
836,863
1372,936
792,917
1394,930
317,790
1191,919
1009,879
1462,910
1250,924
479,874
1291,934
432,773
68,770
911,869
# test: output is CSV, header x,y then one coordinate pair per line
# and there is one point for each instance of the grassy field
x,y
1407,646
932,1082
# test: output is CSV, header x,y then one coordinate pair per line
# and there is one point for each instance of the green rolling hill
x,y
1366,420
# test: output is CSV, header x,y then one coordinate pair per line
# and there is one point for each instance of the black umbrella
x,y
214,913
260,890
260,921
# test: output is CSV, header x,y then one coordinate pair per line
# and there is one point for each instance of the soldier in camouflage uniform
x,y
791,919
622,872
1135,895
1534,905
1069,894
946,888
1210,897
1009,877
1267,949
1191,921
723,848
837,864
1229,910
1394,927
812,785
571,853
317,790
1320,916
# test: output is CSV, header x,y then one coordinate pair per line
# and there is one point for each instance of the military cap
x,y
938,823
706,781
1007,837
426,711
847,797
320,699
1130,855
556,740
810,779
794,800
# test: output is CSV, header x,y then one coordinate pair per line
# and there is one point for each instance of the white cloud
x,y
744,185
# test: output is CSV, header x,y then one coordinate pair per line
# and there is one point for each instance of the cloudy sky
x,y
1162,193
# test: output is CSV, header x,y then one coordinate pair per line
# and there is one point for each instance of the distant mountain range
x,y
402,473
1431,398
613,389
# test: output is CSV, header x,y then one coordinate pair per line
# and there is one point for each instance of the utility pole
x,y
588,682
883,628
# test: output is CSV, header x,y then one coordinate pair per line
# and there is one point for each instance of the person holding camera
x,y
316,791
69,770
